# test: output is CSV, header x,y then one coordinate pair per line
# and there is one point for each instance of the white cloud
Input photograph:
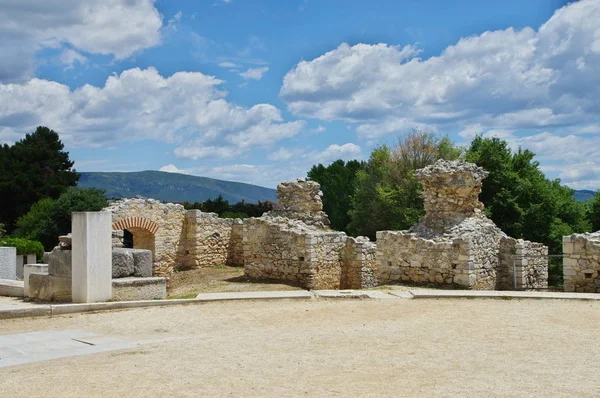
x,y
171,168
333,152
283,154
187,109
255,73
228,64
70,56
505,79
113,27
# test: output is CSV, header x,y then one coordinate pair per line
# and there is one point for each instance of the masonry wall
x,y
359,268
168,239
581,263
273,251
404,257
211,241
529,261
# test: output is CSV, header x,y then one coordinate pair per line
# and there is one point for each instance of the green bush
x,y
24,246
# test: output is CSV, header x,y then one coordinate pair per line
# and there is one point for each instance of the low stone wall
x,y
288,250
211,241
581,263
529,261
404,257
131,289
359,269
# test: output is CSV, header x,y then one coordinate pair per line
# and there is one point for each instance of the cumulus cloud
x,y
333,152
506,79
255,73
187,109
113,27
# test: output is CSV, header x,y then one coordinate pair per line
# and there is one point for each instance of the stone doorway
x,y
138,233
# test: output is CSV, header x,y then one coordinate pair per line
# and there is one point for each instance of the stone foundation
x,y
581,263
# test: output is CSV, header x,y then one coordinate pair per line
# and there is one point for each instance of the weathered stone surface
x,y
122,263
212,241
130,289
50,288
142,262
30,269
155,226
581,263
59,263
8,263
65,242
454,243
301,200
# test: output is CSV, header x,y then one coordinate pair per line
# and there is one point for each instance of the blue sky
x,y
259,91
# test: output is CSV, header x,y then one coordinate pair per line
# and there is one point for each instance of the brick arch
x,y
136,222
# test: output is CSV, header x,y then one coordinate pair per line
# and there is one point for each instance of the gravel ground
x,y
188,283
460,347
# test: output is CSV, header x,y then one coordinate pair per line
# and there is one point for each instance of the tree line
x,y
221,206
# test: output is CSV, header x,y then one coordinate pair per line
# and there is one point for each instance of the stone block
x,y
142,262
8,263
92,261
30,269
130,289
122,263
45,257
31,259
19,266
11,288
60,263
49,287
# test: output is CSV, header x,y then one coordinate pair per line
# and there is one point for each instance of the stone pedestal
x,y
8,263
28,269
91,257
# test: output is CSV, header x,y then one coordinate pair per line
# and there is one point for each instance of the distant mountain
x,y
584,195
173,187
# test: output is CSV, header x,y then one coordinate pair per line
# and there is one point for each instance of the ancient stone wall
x,y
454,243
301,200
359,269
404,257
211,241
529,260
581,263
155,226
290,250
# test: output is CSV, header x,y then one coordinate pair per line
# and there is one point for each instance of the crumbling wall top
x,y
450,193
301,200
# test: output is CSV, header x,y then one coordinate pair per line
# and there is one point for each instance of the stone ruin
x,y
581,263
454,243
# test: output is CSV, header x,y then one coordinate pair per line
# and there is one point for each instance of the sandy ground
x,y
188,283
340,348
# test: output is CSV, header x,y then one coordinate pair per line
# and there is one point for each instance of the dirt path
x,y
188,283
466,348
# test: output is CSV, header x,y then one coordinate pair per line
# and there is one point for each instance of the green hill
x,y
173,187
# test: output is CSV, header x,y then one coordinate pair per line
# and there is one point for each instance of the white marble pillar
x,y
91,257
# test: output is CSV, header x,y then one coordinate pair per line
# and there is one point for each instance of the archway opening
x,y
141,239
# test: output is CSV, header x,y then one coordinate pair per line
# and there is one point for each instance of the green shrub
x,y
24,246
